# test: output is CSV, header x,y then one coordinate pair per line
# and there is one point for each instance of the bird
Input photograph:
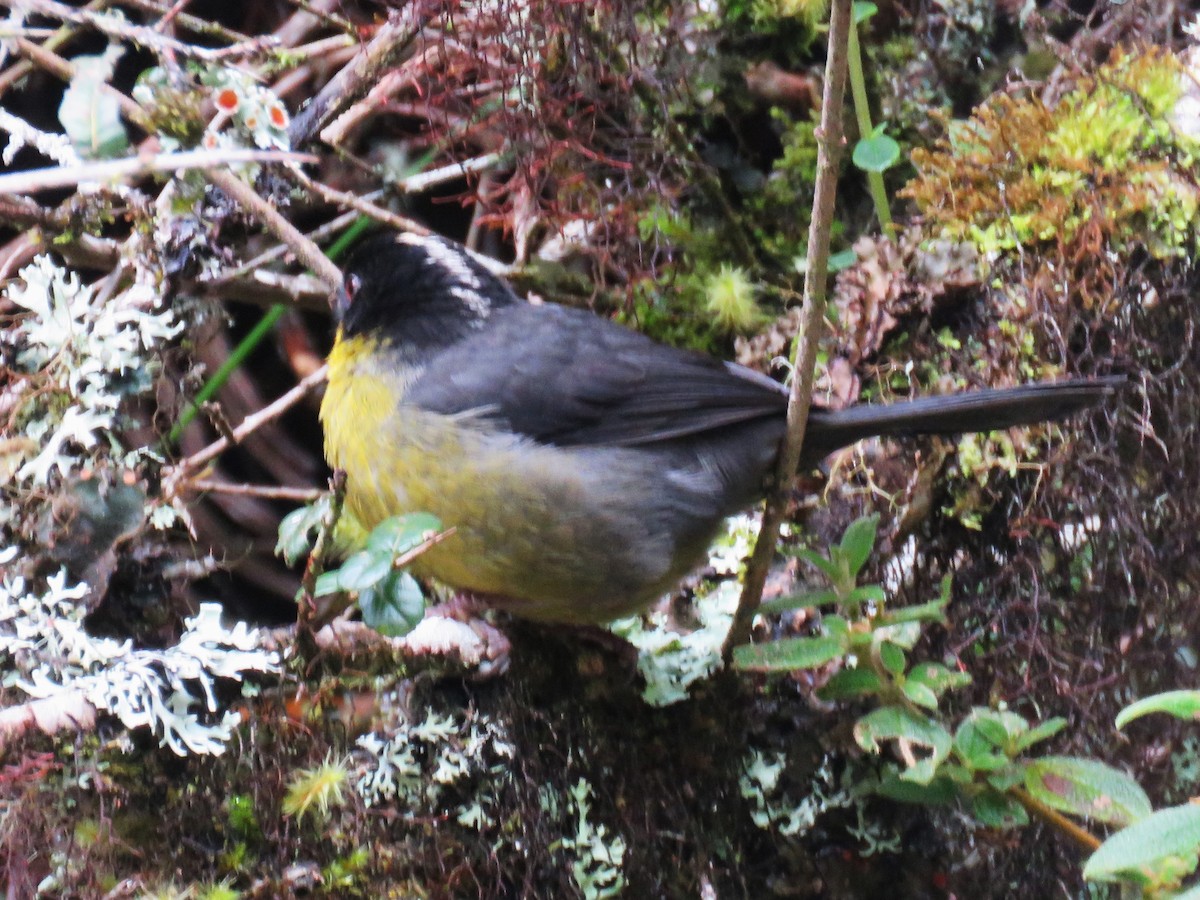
x,y
583,467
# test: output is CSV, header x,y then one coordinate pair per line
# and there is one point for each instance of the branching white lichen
x,y
774,809
441,765
671,661
84,353
597,855
171,691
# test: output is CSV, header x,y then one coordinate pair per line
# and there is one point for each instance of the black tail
x,y
986,410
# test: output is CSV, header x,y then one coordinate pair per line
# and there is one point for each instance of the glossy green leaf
x,y
788,654
904,634
1167,835
393,606
934,611
877,153
1086,787
400,534
1180,704
362,570
897,722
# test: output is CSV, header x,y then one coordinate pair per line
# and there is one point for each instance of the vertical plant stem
x,y
804,354
862,112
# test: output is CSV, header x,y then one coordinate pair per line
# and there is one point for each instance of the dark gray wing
x,y
565,377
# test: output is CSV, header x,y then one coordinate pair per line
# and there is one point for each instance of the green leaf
x,y
904,634
1180,704
1086,787
90,115
873,593
825,566
850,683
804,600
394,606
326,583
892,658
1007,777
933,611
863,11
898,723
1001,727
1042,732
858,541
937,677
299,528
788,654
400,534
976,749
939,791
998,810
877,153
919,694
362,570
841,260
1169,834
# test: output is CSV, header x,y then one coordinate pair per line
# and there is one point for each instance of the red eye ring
x,y
350,284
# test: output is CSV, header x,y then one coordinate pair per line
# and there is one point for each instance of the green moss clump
x,y
1103,167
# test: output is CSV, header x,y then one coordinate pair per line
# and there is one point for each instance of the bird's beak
x,y
339,302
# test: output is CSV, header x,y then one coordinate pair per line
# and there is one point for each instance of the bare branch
x,y
357,77
33,180
829,150
306,251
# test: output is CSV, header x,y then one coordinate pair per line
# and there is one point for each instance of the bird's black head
x,y
422,293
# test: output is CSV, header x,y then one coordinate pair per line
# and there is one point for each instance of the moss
x,y
1104,165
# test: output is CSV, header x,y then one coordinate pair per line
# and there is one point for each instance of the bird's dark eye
x,y
351,284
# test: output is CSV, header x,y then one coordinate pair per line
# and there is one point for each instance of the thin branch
x,y
423,181
362,206
306,251
34,180
122,29
1083,838
829,150
265,491
357,77
249,425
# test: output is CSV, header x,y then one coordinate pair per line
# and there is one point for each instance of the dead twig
x,y
33,180
357,77
306,251
250,424
265,491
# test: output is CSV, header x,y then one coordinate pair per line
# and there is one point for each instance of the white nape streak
x,y
469,288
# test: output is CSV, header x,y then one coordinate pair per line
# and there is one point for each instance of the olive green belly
x,y
550,533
